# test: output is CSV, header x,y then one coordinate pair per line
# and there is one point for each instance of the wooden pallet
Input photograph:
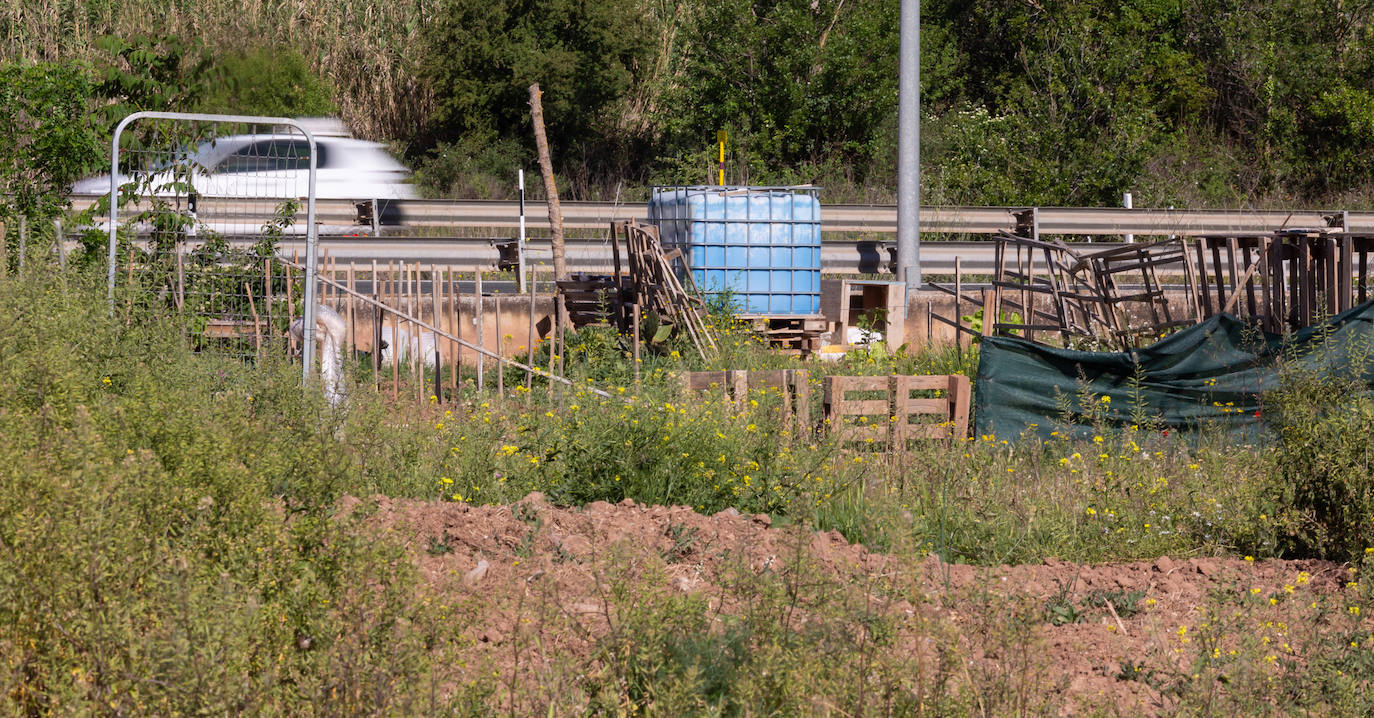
x,y
792,384
591,299
890,412
233,328
799,334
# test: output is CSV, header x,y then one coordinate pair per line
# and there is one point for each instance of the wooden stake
x,y
480,317
290,310
257,328
376,330
541,143
553,351
352,337
801,386
500,345
267,292
563,320
989,313
438,322
958,313
634,338
417,364
529,345
1204,281
395,332
455,299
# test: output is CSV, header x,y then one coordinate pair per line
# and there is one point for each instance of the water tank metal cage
x,y
759,245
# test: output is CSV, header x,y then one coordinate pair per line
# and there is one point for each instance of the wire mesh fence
x,y
206,214
198,207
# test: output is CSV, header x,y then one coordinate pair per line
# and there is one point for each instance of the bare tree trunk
x,y
560,262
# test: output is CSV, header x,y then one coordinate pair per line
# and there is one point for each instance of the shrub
x,y
167,532
1324,421
272,81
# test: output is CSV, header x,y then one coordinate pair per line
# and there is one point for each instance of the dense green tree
x,y
274,81
795,82
481,57
1216,101
48,136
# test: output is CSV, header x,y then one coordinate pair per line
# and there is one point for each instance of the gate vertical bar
x,y
312,243
114,207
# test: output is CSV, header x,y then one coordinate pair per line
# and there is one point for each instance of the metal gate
x,y
206,202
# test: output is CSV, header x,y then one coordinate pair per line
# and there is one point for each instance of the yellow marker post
x,y
720,139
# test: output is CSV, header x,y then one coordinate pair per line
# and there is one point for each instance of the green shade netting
x,y
1212,375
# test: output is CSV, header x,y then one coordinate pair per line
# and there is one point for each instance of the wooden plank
x,y
1237,283
1266,302
1250,267
589,295
702,380
231,328
738,381
1220,274
958,396
1014,327
1278,311
1364,276
861,432
989,312
1204,281
924,431
1309,283
1345,292
857,383
924,406
926,382
801,387
768,379
586,285
864,407
435,288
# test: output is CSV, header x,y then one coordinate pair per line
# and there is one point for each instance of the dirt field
x,y
1114,638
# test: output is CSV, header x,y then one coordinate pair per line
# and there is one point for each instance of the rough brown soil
x,y
550,565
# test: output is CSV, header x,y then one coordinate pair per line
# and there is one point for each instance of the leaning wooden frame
x,y
1141,312
1048,287
649,282
1285,281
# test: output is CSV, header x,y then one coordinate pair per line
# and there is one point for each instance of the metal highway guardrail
x,y
400,215
594,255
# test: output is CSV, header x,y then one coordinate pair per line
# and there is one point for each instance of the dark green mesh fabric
x,y
1212,375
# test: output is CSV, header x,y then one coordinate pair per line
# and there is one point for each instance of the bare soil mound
x,y
1101,637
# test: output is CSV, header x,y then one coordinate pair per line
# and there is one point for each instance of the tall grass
x,y
170,540
166,533
363,49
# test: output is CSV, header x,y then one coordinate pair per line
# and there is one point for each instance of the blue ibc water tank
x,y
762,245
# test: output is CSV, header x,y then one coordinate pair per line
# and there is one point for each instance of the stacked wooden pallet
x,y
651,284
